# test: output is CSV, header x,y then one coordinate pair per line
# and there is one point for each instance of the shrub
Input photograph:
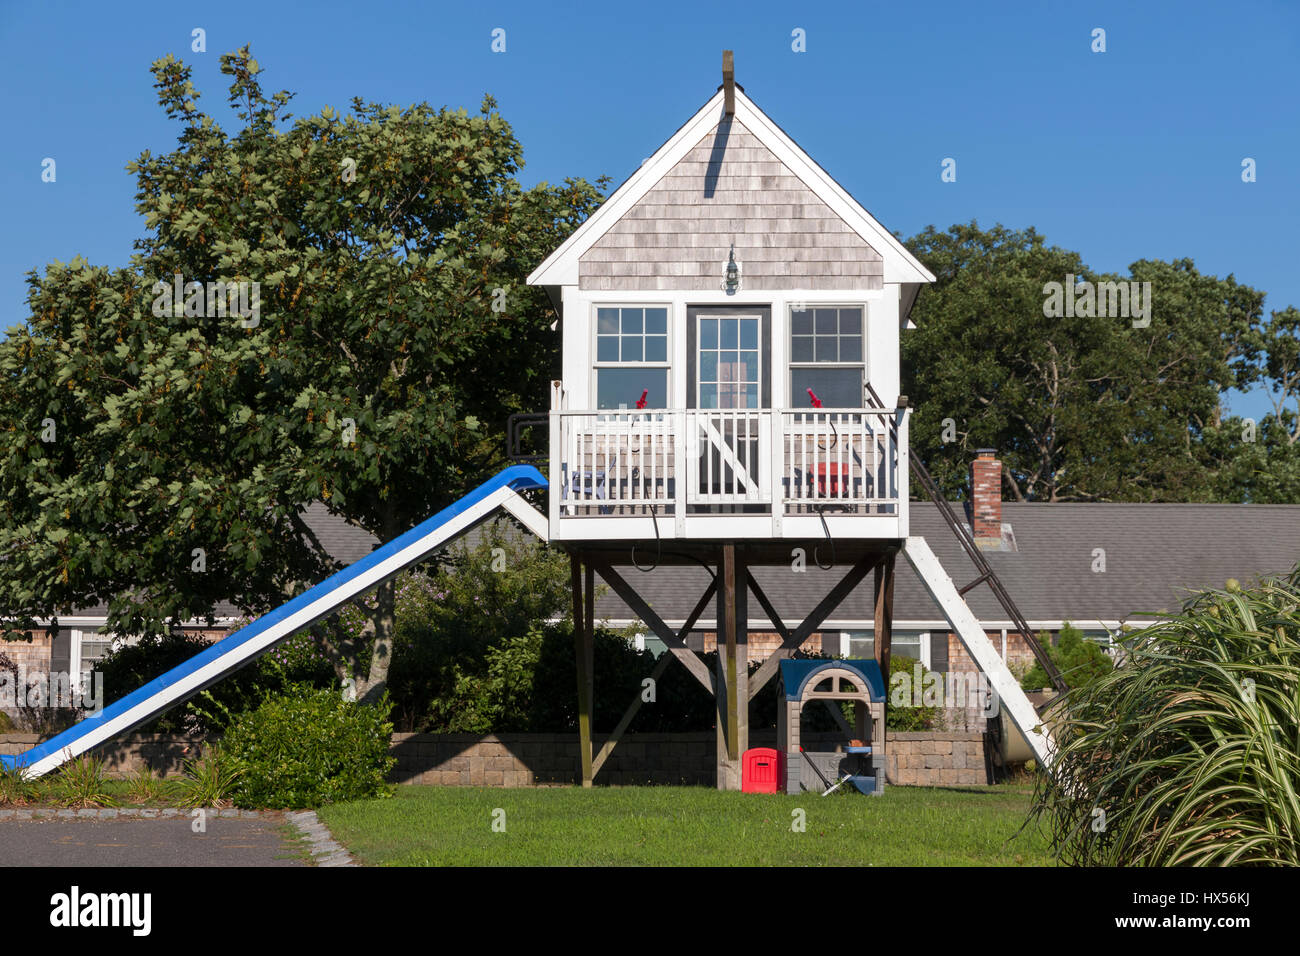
x,y
908,717
308,746
486,597
1079,660
1189,745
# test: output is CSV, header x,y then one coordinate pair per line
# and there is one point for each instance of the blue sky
x,y
1132,153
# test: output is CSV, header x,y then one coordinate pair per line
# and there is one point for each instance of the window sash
x,y
828,334
827,341
862,644
729,361
632,335
636,340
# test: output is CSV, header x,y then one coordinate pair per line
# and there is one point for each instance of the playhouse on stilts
x,y
730,397
730,323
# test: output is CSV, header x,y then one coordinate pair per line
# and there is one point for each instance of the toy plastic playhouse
x,y
860,763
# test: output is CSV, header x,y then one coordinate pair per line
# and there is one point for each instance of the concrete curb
x,y
129,813
325,851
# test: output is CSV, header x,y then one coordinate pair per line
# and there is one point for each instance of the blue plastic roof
x,y
796,674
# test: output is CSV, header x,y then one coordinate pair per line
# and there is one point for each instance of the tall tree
x,y
1088,392
159,449
1259,461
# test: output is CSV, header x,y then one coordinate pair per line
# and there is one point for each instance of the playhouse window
x,y
631,356
826,355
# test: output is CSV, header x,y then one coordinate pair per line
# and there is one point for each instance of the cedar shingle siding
x,y
679,234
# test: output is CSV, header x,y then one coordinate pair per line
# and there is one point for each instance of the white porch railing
x,y
793,461
840,456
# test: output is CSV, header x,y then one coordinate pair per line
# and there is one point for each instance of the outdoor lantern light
x,y
733,271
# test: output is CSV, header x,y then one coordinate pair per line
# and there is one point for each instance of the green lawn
x,y
627,826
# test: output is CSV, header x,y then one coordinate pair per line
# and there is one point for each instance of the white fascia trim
x,y
561,266
906,267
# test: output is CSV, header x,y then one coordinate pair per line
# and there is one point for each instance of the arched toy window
x,y
859,681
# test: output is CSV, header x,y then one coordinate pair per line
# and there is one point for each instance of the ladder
x,y
986,574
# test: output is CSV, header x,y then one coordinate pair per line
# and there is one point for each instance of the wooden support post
x,y
582,647
589,628
884,632
729,599
732,695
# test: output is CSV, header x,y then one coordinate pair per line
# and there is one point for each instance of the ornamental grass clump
x,y
1188,752
80,783
16,789
208,780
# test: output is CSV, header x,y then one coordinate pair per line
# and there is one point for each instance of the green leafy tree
x,y
1083,406
157,455
1259,461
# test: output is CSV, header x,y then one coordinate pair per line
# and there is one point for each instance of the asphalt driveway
x,y
102,838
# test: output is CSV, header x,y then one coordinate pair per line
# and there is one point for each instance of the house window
x,y
91,647
631,356
827,356
862,645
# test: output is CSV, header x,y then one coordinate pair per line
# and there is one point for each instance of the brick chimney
x,y
986,498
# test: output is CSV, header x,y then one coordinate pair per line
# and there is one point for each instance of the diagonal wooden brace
x,y
813,621
661,665
665,633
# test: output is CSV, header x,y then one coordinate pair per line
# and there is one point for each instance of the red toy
x,y
762,771
640,402
817,402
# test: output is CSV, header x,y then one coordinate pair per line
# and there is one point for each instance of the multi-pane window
x,y
631,356
94,646
729,361
827,356
862,645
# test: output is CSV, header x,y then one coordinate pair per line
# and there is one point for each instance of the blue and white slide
x,y
249,643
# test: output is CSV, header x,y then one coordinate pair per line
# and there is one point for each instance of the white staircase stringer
x,y
965,625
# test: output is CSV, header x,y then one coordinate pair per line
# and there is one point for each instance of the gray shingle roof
x,y
1153,552
346,542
